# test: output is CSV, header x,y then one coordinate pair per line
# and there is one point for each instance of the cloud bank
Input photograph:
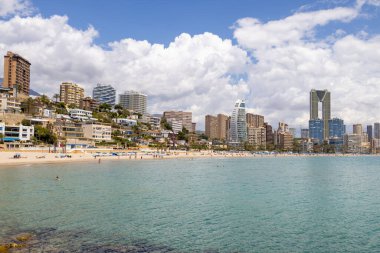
x,y
273,65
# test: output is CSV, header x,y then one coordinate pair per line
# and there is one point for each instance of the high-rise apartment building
x,y
370,132
211,127
184,117
376,130
256,137
216,126
16,73
357,129
255,120
135,101
316,129
269,134
222,126
336,128
104,94
71,93
324,97
304,133
238,124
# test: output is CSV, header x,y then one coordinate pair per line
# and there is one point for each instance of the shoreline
x,y
33,157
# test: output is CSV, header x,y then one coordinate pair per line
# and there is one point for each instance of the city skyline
x,y
210,67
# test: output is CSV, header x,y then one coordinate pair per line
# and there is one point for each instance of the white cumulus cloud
x,y
290,61
12,7
196,73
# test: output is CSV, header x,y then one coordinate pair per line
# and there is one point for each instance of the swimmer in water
x,y
57,178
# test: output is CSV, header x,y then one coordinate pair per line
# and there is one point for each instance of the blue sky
x,y
202,56
159,21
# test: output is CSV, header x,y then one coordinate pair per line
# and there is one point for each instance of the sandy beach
x,y
15,157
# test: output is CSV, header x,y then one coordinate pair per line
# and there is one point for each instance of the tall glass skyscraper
x,y
104,94
336,128
324,97
238,124
316,129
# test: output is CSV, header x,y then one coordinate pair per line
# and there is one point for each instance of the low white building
x,y
80,114
155,122
16,132
9,104
176,125
97,132
125,122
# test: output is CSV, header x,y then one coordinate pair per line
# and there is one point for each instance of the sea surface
x,y
289,204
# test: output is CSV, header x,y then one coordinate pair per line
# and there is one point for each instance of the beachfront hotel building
x,y
97,132
216,126
238,124
255,120
134,101
13,133
336,128
256,137
185,118
71,93
104,94
16,73
324,97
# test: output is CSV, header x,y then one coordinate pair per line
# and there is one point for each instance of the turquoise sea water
x,y
317,204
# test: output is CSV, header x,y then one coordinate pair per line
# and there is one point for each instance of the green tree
x,y
45,135
25,122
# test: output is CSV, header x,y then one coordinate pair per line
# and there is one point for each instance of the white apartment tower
x,y
134,101
238,124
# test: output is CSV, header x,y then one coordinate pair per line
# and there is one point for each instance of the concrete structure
x,y
184,117
256,137
9,104
175,124
211,127
16,132
97,132
16,73
304,133
222,126
69,130
285,141
80,114
216,126
88,104
134,101
376,130
324,97
104,94
370,132
269,134
357,129
353,143
71,93
238,124
293,131
155,122
125,122
255,120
